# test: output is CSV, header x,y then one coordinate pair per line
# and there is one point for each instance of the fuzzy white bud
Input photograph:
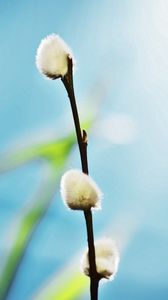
x,y
52,56
79,191
107,259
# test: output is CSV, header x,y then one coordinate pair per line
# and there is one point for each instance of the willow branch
x,y
82,144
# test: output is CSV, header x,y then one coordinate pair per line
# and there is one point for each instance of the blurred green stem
x,y
82,143
21,230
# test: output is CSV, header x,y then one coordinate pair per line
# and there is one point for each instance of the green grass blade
x,y
50,151
68,284
23,226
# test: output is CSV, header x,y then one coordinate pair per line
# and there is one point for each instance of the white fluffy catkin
x,y
107,259
52,56
79,191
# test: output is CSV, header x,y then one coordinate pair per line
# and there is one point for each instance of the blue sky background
x,y
123,46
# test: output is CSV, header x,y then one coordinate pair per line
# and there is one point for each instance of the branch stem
x,y
82,144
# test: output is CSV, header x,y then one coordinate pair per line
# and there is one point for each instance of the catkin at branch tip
x,y
52,57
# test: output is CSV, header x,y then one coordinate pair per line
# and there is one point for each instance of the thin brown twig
x,y
82,143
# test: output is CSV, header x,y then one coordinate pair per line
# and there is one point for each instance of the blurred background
x,y
121,49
